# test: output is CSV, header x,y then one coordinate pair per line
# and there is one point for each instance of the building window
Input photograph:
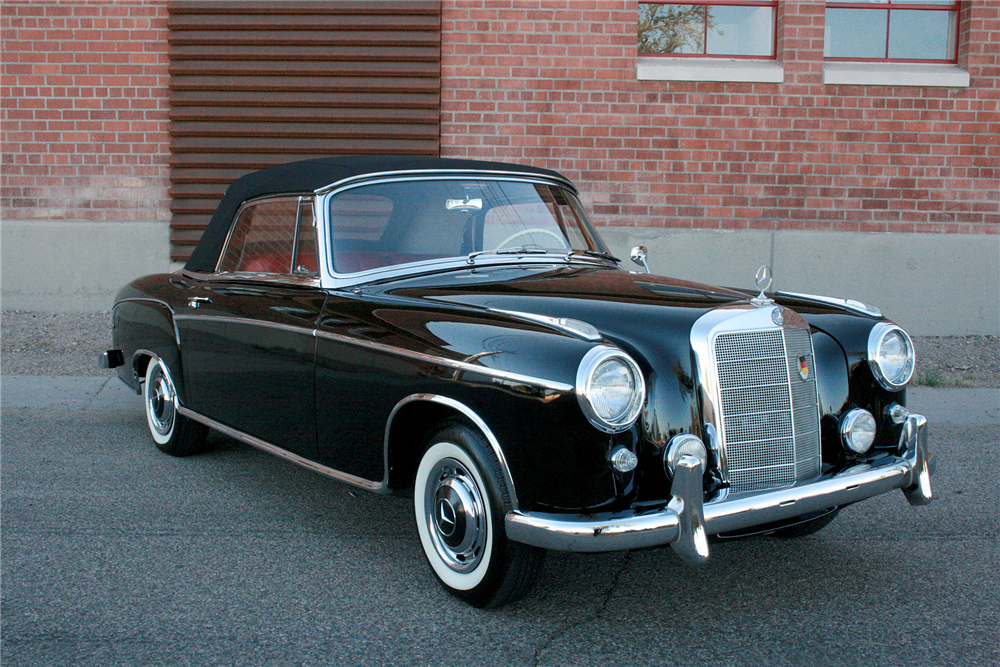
x,y
892,30
707,28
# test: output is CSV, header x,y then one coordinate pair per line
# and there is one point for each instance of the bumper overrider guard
x,y
686,521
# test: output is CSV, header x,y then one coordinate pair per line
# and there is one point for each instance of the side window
x,y
306,257
263,238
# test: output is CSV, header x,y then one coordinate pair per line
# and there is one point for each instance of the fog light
x,y
857,429
684,444
897,413
623,460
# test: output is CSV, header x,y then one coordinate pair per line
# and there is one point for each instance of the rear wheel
x,y
460,500
172,432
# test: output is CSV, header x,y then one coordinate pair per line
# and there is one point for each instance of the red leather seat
x,y
270,263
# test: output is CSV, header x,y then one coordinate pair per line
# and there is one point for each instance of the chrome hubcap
x,y
160,401
455,511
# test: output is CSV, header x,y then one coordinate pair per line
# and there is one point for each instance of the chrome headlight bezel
x,y
858,429
587,393
684,444
893,381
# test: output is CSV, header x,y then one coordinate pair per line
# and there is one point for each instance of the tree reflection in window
x,y
671,29
740,28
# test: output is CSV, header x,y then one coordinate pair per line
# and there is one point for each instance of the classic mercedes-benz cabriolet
x,y
457,330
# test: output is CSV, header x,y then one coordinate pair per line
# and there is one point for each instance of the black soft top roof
x,y
311,175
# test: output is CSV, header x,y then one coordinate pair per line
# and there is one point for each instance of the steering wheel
x,y
533,230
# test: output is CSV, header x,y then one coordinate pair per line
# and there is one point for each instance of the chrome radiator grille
x,y
770,415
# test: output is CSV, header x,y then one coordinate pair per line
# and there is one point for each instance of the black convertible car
x,y
457,330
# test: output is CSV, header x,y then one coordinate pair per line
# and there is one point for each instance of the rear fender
x,y
150,324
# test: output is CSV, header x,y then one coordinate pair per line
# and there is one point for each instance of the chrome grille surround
x,y
761,415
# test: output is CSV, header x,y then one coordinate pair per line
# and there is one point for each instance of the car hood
x,y
624,306
591,294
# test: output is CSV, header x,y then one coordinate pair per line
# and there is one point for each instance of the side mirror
x,y
638,255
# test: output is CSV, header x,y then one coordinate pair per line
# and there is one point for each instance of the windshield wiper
x,y
517,250
595,253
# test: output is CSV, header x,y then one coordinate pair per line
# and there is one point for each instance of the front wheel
x,y
460,500
172,432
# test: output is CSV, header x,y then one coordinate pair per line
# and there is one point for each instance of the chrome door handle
x,y
196,301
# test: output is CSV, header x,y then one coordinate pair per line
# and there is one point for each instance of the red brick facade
x,y
554,84
85,111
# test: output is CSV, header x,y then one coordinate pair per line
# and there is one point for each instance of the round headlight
x,y
857,429
890,355
610,389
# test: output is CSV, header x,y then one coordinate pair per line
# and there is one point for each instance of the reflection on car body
x,y
458,330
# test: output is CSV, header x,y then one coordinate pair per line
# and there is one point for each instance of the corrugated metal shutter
x,y
258,84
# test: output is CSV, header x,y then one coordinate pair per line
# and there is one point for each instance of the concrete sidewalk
x,y
940,406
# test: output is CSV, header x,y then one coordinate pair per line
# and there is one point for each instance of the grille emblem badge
x,y
778,316
803,368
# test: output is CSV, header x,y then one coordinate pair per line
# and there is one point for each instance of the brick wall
x,y
84,111
554,84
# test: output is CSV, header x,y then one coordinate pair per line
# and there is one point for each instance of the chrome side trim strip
x,y
473,417
287,279
368,485
554,388
573,327
257,323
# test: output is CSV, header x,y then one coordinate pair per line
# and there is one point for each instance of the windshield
x,y
383,224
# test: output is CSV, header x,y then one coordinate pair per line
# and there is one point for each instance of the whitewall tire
x,y
459,506
172,432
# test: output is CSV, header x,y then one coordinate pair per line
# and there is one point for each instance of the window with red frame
x,y
707,28
892,30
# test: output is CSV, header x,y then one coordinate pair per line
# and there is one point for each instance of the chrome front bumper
x,y
686,521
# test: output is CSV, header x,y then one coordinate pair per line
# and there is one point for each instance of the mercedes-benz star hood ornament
x,y
763,280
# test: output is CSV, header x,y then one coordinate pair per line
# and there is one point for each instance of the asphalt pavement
x,y
116,554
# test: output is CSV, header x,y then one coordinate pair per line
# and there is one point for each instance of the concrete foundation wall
x,y
77,266
930,284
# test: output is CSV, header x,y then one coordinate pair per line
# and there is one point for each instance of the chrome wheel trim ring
x,y
455,512
161,401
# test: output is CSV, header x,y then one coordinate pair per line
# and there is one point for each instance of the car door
x,y
247,334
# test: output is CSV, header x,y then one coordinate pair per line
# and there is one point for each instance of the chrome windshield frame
x,y
330,279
